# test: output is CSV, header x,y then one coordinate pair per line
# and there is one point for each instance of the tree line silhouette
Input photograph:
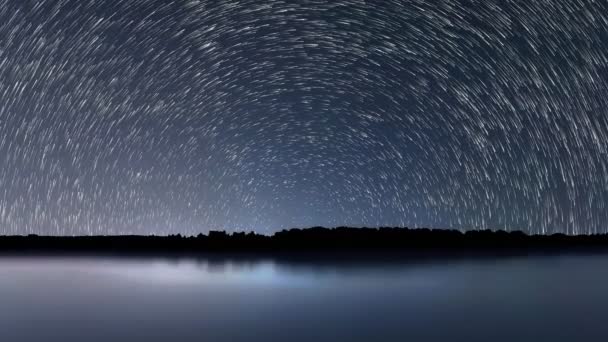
x,y
341,240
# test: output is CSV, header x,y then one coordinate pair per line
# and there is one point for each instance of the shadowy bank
x,y
341,242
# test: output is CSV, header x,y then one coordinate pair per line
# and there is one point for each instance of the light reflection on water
x,y
101,299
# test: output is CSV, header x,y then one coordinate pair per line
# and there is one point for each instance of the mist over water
x,y
104,299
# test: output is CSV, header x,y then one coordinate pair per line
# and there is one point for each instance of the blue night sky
x,y
158,116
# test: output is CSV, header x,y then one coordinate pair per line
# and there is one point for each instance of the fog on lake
x,y
549,298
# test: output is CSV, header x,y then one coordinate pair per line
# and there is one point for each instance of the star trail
x,y
153,116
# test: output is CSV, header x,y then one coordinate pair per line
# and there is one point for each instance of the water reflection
x,y
100,299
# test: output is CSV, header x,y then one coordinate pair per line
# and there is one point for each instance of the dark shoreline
x,y
339,244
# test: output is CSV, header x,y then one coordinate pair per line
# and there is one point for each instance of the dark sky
x,y
158,116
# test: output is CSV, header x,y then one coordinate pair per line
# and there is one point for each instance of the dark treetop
x,y
314,242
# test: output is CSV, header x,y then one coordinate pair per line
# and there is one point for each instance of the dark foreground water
x,y
103,299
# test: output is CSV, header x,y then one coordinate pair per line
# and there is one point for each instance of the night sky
x,y
159,116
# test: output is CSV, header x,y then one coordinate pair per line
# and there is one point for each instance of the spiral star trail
x,y
160,117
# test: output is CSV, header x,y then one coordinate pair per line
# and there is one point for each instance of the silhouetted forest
x,y
317,240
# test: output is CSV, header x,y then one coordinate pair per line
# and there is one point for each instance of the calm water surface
x,y
105,299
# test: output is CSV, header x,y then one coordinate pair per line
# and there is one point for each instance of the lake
x,y
548,298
